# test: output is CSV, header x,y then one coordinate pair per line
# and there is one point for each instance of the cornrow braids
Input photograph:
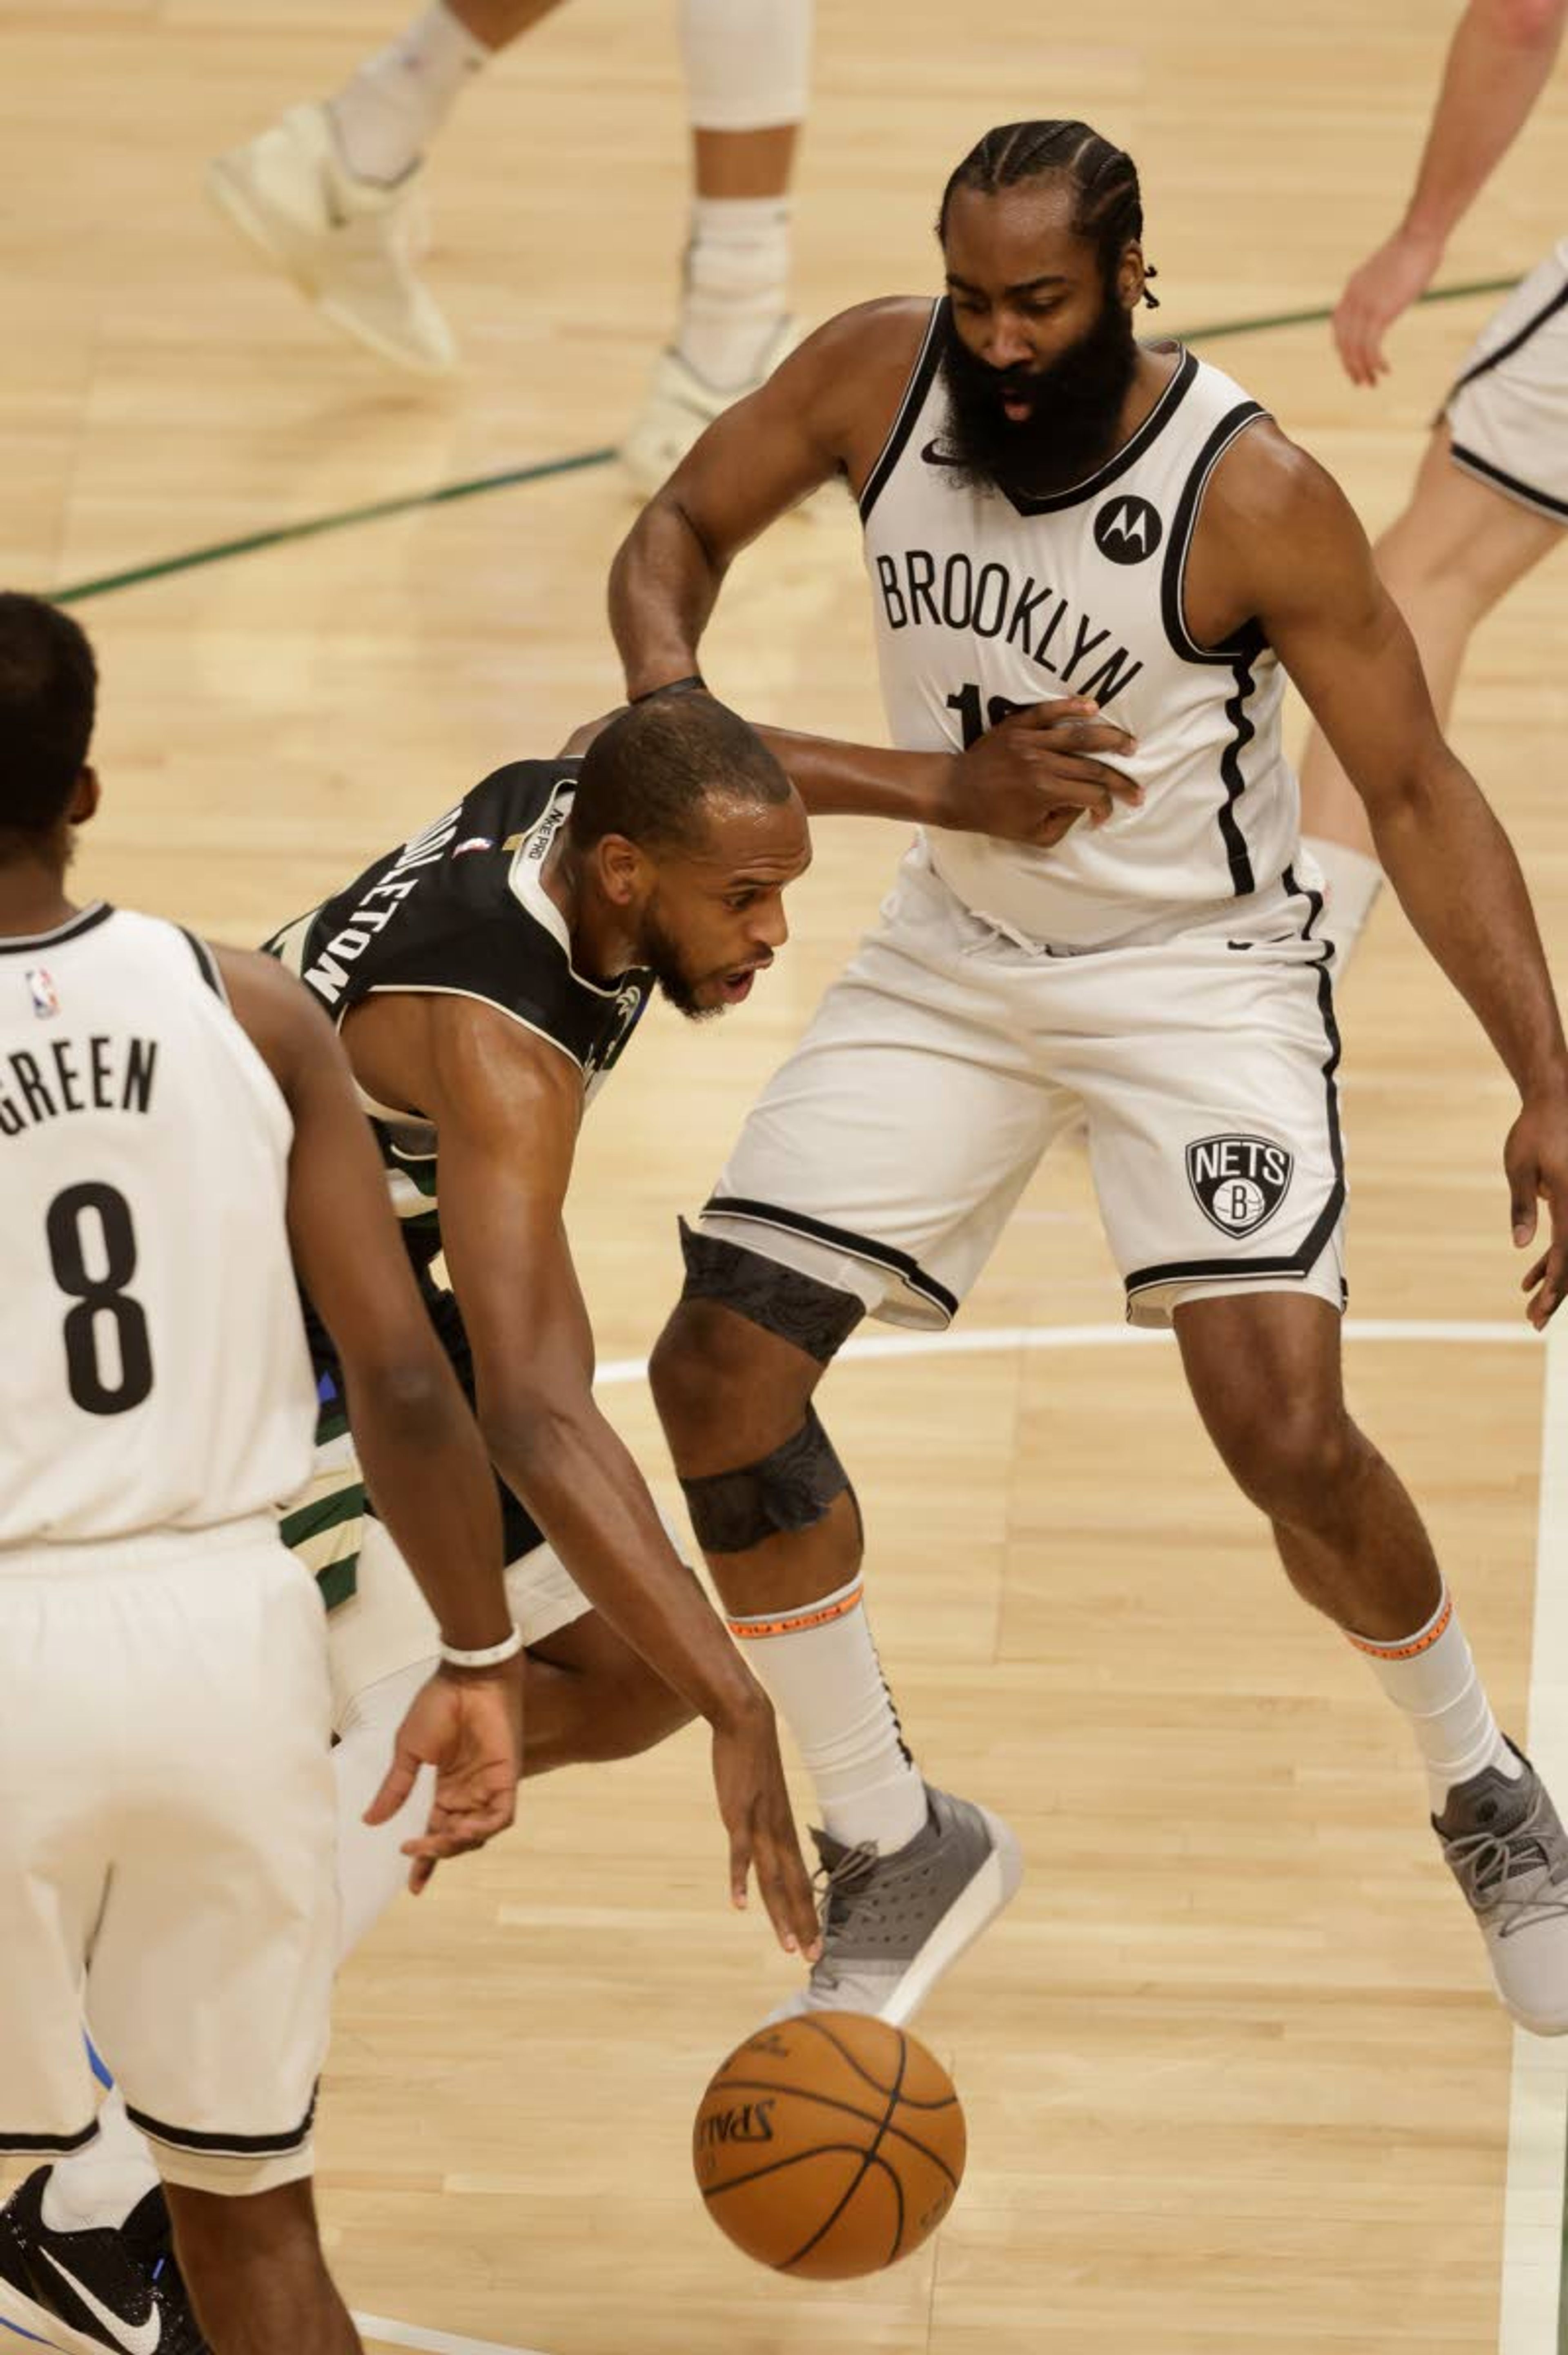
x,y
1107,203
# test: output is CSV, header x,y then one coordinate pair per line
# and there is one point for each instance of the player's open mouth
x,y
1016,407
735,986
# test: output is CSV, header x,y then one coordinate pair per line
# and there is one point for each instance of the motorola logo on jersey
x,y
1239,1182
1127,528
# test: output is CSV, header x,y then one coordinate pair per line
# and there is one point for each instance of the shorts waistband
x,y
72,1557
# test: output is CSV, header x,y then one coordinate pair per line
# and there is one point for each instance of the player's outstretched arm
x,y
1284,529
822,412
507,1105
423,1457
1498,62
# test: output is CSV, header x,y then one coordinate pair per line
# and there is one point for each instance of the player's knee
x,y
718,1366
643,1712
780,1495
1294,1457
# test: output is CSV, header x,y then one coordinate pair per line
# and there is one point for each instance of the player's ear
x,y
1131,274
623,869
85,800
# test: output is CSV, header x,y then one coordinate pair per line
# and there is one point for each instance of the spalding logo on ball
x,y
830,2146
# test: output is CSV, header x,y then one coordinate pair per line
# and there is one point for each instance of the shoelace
x,y
1485,1862
837,1885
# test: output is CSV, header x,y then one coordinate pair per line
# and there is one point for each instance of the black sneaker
x,y
84,2292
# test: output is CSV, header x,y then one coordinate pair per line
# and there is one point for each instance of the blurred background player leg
x,y
331,194
1464,538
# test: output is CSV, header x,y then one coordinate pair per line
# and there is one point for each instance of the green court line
x,y
192,559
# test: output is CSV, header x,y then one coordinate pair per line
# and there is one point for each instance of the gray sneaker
x,y
892,1925
1509,1855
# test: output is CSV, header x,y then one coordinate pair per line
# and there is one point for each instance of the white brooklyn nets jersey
x,y
156,1374
984,602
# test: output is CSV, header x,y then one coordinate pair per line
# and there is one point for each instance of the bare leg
x,y
256,2273
498,22
1265,1373
588,1696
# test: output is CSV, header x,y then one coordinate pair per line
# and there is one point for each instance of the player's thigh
x,y
884,1157
1460,534
1214,1132
211,1971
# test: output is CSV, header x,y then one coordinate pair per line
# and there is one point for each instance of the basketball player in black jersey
x,y
1049,400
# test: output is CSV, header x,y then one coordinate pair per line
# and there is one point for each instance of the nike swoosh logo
x,y
935,456
135,2337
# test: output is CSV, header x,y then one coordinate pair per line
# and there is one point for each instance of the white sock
x,y
736,287
1354,881
100,2185
820,1668
386,113
1432,1678
748,62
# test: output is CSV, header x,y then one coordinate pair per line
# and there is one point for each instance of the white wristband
x,y
491,1657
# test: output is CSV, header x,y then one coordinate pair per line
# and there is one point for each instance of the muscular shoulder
x,y
853,369
1277,520
501,1085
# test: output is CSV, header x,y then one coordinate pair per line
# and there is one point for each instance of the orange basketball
x,y
830,2146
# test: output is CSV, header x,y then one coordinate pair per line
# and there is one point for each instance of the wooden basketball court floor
x,y
1233,2076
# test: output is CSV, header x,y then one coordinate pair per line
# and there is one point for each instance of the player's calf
x,y
256,2273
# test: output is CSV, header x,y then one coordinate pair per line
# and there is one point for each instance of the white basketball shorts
x,y
1509,411
885,1154
167,1837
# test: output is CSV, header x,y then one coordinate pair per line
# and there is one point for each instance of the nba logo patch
x,y
1239,1182
44,997
474,842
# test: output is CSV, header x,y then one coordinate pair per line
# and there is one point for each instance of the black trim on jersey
x,y
28,944
1300,1263
1249,640
1506,351
1171,399
50,2145
1237,856
1555,510
771,1214
235,2146
928,359
206,961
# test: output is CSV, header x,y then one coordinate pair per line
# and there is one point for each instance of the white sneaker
x,y
348,245
1508,1852
681,406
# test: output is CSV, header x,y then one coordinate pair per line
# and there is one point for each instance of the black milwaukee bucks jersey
x,y
460,911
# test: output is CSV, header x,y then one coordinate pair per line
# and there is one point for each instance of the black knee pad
x,y
790,1489
816,1316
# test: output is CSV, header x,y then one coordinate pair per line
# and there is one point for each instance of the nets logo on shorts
x,y
1239,1182
1127,529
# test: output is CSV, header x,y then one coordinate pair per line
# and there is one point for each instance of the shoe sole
x,y
234,201
40,2328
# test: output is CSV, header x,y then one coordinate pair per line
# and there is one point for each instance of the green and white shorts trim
x,y
378,1623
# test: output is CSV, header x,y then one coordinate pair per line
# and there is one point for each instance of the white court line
x,y
1439,1331
433,2342
1538,2102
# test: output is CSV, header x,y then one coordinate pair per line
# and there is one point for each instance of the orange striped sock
x,y
1431,1676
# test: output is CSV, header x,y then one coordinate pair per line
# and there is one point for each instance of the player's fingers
x,y
395,1785
786,1893
1529,1282
739,1865
420,1874
1522,1183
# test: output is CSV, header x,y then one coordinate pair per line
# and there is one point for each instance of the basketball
x,y
830,2146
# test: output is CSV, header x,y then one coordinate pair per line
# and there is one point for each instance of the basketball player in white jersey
x,y
178,1131
1490,500
1049,503
331,193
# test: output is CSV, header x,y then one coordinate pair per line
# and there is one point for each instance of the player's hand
x,y
1536,1159
1386,283
748,1776
1033,774
469,1727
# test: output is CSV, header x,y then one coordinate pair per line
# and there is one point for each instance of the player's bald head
x,y
664,770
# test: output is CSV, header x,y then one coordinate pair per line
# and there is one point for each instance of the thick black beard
x,y
659,956
1075,410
